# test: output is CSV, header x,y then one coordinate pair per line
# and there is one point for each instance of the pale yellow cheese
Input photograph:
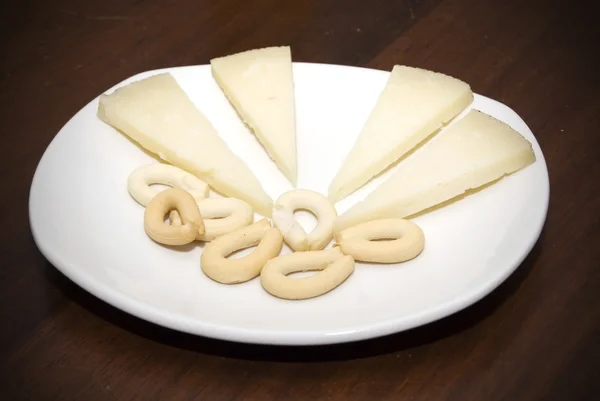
x,y
472,152
414,104
156,113
259,84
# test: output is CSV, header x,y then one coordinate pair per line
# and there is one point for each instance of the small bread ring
x,y
139,181
221,216
214,260
293,233
334,266
406,241
160,205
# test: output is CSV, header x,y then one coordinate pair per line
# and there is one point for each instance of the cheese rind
x,y
472,152
414,104
259,84
156,113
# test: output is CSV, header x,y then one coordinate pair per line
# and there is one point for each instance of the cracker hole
x,y
383,239
240,253
302,274
306,219
159,187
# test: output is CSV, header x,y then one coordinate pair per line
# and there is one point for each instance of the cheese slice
x,y
414,104
472,152
259,84
156,113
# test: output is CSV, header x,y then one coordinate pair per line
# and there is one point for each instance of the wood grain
x,y
537,337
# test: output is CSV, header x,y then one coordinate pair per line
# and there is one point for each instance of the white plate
x,y
86,224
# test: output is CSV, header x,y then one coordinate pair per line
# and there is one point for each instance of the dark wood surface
x,y
537,337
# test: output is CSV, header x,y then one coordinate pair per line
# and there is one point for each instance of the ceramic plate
x,y
86,224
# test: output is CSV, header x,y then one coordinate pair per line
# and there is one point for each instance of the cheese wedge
x,y
260,86
156,113
414,104
472,152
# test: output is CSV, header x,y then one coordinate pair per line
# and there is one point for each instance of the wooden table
x,y
537,337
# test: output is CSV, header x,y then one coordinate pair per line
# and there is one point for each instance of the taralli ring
x,y
293,233
405,241
334,266
139,181
214,260
221,216
163,203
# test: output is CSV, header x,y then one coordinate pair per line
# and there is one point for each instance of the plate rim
x,y
141,310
